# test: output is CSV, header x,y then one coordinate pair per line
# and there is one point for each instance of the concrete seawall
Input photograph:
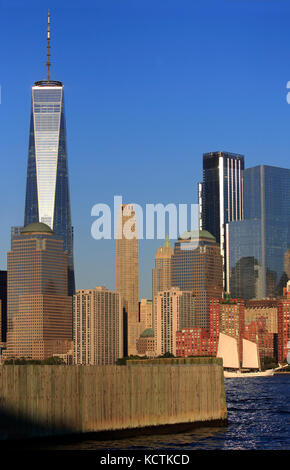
x,y
38,401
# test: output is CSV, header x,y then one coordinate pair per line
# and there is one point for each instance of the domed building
x,y
146,343
196,266
39,311
36,227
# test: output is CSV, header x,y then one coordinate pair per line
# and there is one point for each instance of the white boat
x,y
246,374
228,351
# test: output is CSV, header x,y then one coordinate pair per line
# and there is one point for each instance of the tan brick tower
x,y
161,274
127,271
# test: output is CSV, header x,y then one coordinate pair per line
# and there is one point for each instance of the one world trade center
x,y
47,187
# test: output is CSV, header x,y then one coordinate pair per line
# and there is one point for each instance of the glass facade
x,y
221,197
259,245
47,189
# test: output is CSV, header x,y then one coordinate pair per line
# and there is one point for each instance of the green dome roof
x,y
149,333
37,227
197,234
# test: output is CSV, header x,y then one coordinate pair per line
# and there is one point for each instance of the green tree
x,y
53,361
167,354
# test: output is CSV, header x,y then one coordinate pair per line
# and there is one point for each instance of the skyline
x,y
170,136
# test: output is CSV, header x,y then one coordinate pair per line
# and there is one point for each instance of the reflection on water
x,y
259,418
162,441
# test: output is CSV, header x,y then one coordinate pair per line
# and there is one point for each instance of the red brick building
x,y
284,324
193,342
257,332
227,316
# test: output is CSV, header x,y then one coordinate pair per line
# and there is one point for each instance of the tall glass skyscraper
x,y
259,245
220,198
47,188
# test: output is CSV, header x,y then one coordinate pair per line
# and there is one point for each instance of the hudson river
x,y
259,418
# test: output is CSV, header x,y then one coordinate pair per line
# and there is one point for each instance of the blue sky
x,y
150,85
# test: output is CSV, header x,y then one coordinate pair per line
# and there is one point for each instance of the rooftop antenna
x,y
48,63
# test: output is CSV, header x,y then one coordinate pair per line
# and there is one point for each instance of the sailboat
x,y
251,367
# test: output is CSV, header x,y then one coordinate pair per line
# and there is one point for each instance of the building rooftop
x,y
48,83
197,234
165,251
222,153
37,227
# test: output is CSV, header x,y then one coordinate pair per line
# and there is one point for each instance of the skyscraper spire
x,y
48,63
167,242
47,187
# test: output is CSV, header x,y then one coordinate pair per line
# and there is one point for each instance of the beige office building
x,y
146,343
166,320
146,314
196,265
161,274
39,310
98,326
127,272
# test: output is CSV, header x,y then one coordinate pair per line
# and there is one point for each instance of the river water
x,y
259,418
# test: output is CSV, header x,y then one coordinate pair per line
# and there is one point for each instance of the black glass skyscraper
x,y
221,197
47,188
259,245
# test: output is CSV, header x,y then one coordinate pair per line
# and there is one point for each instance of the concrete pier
x,y
38,400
